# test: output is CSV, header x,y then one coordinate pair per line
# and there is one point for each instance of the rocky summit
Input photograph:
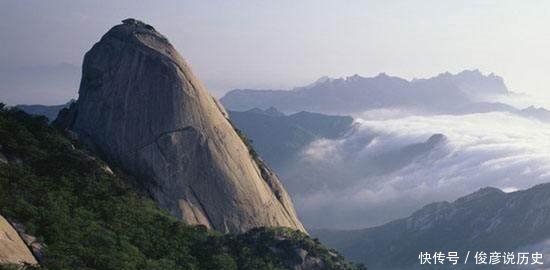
x,y
141,108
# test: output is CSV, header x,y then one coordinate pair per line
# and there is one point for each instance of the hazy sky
x,y
284,43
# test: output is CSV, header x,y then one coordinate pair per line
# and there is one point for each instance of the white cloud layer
x,y
386,169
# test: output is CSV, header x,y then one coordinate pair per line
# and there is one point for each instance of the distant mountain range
x,y
487,220
533,112
353,94
278,137
49,111
242,118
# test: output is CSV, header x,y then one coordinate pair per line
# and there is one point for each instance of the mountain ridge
x,y
355,93
475,221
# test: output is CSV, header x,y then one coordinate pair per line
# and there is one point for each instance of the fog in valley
x,y
387,168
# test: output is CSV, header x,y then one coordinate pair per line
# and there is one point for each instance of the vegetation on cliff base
x,y
90,218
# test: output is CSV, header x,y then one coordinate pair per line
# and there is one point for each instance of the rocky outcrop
x,y
35,245
12,247
141,107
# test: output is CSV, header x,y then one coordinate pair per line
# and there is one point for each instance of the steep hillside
x,y
90,216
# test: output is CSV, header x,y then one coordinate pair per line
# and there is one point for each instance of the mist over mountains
x,y
388,168
412,143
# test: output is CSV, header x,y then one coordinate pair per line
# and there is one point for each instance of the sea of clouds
x,y
390,165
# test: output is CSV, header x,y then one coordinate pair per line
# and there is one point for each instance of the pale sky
x,y
284,43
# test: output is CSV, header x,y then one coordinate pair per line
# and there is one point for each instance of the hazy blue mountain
x,y
484,107
278,137
356,94
537,113
487,220
49,111
533,112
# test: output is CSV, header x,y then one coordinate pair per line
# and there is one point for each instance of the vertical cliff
x,y
141,107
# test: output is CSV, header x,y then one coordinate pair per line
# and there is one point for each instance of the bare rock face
x,y
141,107
12,247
